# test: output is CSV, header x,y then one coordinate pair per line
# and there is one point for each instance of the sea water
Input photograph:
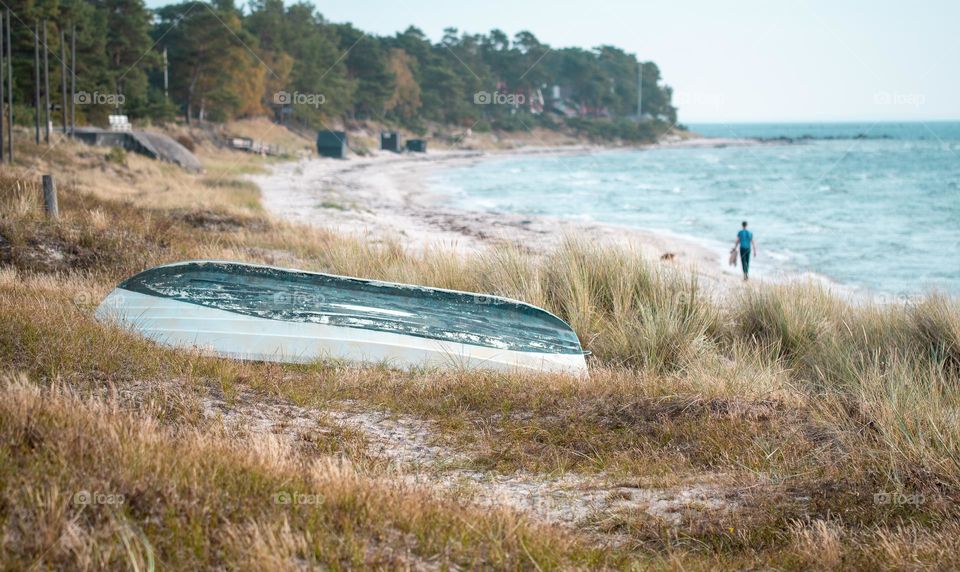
x,y
875,207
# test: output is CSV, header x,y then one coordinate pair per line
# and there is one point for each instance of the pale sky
x,y
743,60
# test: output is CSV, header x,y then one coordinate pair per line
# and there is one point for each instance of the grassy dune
x,y
89,485
832,430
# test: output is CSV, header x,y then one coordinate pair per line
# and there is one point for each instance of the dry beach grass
x,y
783,427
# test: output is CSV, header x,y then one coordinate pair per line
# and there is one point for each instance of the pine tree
x,y
215,71
128,49
367,66
317,69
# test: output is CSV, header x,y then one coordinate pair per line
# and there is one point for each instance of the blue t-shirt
x,y
746,238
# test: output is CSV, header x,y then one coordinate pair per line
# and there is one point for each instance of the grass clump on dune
x,y
885,378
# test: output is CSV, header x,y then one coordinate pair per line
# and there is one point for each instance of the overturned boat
x,y
255,312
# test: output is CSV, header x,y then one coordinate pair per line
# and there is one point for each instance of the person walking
x,y
747,247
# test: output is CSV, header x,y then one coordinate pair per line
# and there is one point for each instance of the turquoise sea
x,y
872,207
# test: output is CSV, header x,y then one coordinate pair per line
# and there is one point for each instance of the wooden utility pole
x,y
166,75
73,80
50,197
64,107
640,91
9,90
46,84
3,81
36,80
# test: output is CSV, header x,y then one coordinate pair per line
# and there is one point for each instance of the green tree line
x,y
225,60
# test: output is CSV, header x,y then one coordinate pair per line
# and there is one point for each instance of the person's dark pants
x,y
745,259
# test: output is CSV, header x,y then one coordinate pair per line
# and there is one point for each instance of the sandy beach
x,y
385,196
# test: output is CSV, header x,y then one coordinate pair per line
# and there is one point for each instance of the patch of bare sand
x,y
417,455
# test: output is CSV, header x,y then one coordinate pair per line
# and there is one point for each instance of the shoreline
x,y
386,197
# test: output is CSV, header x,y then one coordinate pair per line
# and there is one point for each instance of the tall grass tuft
x,y
790,320
626,311
903,418
935,324
20,198
886,377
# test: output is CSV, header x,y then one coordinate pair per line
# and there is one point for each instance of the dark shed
x,y
417,145
390,141
332,144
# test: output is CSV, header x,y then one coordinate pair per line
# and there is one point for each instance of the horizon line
x,y
801,121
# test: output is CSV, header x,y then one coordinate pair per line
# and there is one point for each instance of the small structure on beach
x,y
332,144
390,141
417,145
148,143
252,146
120,123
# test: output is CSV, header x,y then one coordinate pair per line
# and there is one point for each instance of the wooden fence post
x,y
50,197
9,90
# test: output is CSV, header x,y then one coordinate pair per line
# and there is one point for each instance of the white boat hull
x,y
229,334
